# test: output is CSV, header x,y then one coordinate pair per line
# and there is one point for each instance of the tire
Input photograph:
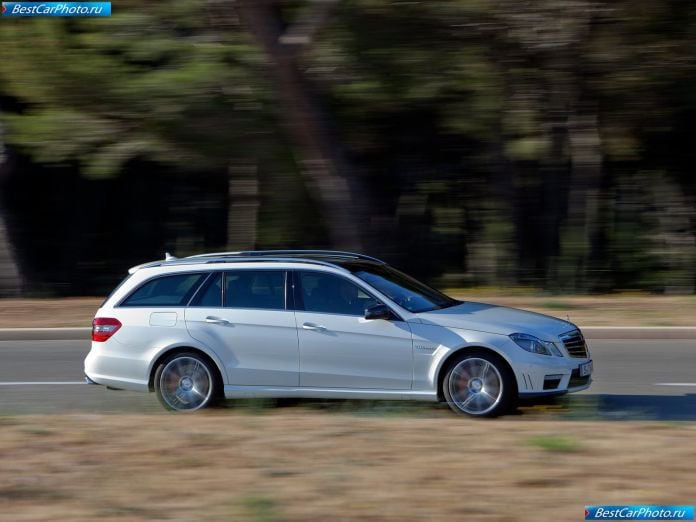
x,y
479,384
186,382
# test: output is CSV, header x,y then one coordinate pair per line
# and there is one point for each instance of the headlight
x,y
534,345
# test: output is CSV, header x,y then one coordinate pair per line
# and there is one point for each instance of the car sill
x,y
237,392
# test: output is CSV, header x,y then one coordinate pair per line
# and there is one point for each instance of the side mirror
x,y
378,311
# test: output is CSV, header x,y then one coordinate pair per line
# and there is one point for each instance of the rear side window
x,y
173,290
123,282
263,289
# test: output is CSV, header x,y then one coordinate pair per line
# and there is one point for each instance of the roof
x,y
332,258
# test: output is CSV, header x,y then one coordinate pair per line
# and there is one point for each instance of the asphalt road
x,y
654,379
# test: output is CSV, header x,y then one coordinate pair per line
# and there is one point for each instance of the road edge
x,y
45,334
640,332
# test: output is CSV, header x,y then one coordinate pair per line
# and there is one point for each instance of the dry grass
x,y
23,313
602,310
608,310
304,465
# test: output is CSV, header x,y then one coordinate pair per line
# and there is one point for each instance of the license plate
x,y
585,369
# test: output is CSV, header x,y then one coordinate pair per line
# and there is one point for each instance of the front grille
x,y
575,344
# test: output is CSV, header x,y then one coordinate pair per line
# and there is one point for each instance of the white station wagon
x,y
322,324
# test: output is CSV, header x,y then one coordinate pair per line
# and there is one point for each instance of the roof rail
x,y
210,258
293,253
264,259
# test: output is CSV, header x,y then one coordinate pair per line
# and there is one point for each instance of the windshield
x,y
404,290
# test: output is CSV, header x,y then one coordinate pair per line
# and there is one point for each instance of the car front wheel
x,y
186,382
478,384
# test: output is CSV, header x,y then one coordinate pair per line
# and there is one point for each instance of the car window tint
x,y
255,289
327,293
404,290
173,290
211,294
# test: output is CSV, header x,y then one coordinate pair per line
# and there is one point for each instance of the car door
x,y
243,316
339,348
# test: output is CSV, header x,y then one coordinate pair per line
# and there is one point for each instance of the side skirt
x,y
240,392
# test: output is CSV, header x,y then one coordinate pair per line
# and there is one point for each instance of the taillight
x,y
104,327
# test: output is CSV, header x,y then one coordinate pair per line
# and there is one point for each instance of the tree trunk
x,y
318,153
10,279
242,213
583,207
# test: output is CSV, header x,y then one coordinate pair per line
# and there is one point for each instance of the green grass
x,y
555,443
39,432
261,508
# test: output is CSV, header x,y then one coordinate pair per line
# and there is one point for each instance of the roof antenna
x,y
169,257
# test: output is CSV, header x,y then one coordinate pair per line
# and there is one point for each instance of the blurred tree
x,y
318,150
10,280
545,143
533,106
416,105
150,83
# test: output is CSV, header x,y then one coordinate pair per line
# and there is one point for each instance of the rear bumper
x,y
102,367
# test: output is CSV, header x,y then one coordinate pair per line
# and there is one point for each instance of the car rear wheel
x,y
186,382
478,384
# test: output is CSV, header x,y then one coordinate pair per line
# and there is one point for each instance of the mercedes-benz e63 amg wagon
x,y
322,324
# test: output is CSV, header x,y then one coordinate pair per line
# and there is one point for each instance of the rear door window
x,y
210,295
263,289
172,290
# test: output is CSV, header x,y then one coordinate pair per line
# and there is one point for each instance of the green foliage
x,y
261,508
499,88
150,82
555,444
381,57
546,143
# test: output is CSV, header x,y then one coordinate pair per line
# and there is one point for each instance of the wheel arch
x,y
184,349
451,357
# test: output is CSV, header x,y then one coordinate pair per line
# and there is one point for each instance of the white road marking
x,y
674,384
27,383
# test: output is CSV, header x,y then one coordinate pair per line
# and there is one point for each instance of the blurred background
x,y
545,144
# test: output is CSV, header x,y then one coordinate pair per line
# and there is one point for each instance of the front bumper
x,y
555,392
546,375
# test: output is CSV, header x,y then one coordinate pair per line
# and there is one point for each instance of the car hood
x,y
496,319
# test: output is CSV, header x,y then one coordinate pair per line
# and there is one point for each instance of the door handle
x,y
216,320
313,326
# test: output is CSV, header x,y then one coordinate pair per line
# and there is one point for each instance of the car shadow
x,y
617,407
568,407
